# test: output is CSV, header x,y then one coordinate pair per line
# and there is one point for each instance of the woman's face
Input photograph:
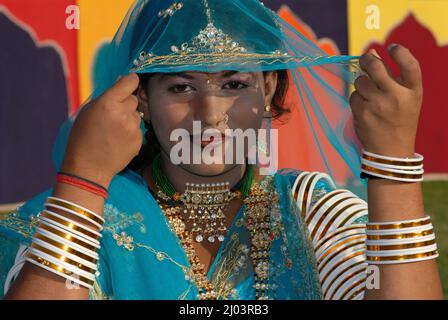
x,y
174,100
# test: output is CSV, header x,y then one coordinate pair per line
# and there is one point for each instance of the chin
x,y
208,169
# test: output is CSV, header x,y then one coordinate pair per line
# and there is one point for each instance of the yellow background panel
x,y
431,13
100,20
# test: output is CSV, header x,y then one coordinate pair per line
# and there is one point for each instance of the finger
x,y
124,87
356,101
376,54
366,87
131,103
377,71
410,72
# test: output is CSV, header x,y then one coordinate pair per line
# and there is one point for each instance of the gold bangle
x,y
322,266
339,274
400,225
357,283
65,248
321,202
76,209
393,162
71,226
400,235
391,174
63,258
402,257
68,237
338,244
307,190
350,227
400,246
57,268
335,216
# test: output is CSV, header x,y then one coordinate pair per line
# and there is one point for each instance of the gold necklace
x,y
257,216
204,203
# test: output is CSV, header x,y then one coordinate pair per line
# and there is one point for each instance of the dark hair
x,y
152,146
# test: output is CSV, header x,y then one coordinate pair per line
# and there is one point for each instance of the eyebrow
x,y
190,77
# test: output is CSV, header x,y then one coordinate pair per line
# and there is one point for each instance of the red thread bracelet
x,y
82,184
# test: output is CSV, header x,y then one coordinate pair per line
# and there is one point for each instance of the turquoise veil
x,y
241,35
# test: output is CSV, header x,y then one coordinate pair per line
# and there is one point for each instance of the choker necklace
x,y
205,204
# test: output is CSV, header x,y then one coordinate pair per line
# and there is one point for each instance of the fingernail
x,y
375,53
392,46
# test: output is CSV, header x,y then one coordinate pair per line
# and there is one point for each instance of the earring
x,y
267,108
225,120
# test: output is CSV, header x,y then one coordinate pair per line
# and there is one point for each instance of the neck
x,y
179,176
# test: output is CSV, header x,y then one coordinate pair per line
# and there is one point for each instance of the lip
x,y
205,142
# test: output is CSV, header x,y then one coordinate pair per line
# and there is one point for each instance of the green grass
x,y
435,195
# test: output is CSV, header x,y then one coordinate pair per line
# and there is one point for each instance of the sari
x,y
141,256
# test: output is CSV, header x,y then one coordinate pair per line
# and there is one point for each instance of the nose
x,y
210,110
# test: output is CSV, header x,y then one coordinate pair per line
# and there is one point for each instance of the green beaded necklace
x,y
168,189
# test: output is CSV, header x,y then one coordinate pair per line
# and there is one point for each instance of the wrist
x,y
402,152
97,176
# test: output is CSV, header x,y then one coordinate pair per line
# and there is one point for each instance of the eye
x,y
235,85
181,88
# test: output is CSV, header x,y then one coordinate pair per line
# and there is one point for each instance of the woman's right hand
x,y
106,134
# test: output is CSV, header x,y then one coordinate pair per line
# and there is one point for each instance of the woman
x,y
130,222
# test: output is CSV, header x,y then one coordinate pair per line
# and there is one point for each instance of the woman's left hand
x,y
386,109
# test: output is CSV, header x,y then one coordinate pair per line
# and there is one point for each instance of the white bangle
x,y
401,252
67,266
70,256
330,263
399,231
100,227
391,242
75,223
76,234
58,272
342,233
417,157
384,166
78,206
404,260
68,243
392,168
391,177
400,170
330,244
